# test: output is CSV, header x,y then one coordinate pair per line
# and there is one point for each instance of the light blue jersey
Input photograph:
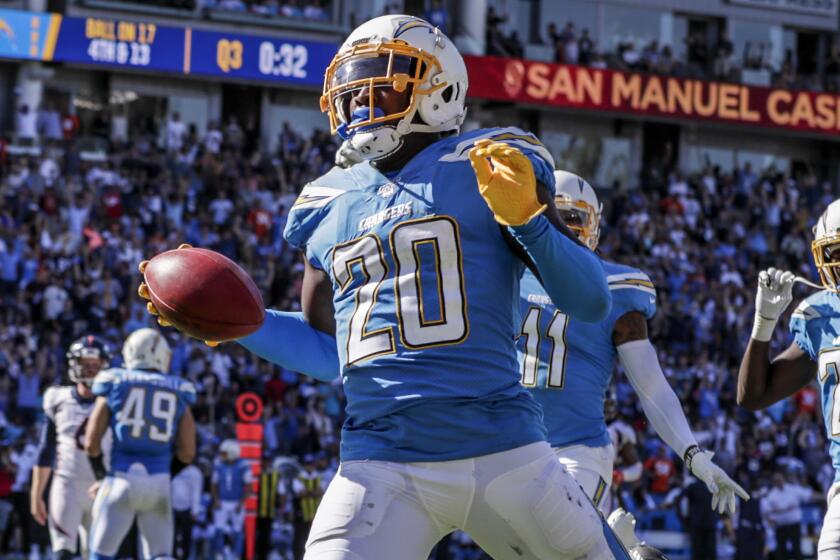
x,y
424,295
230,479
815,325
146,408
568,363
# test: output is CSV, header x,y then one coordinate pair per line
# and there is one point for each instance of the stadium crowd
x,y
310,10
572,44
72,231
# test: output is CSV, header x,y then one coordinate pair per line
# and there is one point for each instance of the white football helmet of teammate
x,y
826,246
229,448
404,53
579,207
146,349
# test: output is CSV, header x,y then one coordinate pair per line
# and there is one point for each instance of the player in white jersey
x,y
815,325
61,451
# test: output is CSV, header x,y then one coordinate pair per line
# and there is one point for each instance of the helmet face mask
x,y
399,67
826,253
826,247
581,218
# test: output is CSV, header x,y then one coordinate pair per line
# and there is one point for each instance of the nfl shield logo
x,y
386,190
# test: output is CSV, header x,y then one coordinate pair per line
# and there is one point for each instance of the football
x,y
204,294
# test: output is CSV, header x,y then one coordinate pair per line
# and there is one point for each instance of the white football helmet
x,y
399,52
230,447
579,207
826,247
146,349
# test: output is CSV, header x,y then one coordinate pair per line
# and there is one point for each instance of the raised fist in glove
x,y
771,300
722,488
143,292
506,181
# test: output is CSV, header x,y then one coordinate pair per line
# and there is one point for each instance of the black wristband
x,y
689,455
98,465
176,466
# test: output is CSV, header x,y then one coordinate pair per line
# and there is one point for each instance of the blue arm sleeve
x,y
288,340
46,445
571,274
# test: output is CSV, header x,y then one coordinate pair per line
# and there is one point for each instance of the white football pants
x,y
69,508
519,504
124,496
829,546
229,518
592,467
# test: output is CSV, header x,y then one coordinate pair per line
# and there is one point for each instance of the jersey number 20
x,y
556,333
155,421
442,254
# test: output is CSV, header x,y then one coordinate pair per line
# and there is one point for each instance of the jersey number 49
x,y
149,414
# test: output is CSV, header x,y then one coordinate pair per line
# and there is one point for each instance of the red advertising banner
x,y
249,434
561,85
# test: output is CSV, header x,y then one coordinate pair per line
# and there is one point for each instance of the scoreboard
x,y
120,43
215,53
163,48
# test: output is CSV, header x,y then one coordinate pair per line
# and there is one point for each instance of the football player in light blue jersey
x,y
149,415
413,261
230,487
815,325
568,363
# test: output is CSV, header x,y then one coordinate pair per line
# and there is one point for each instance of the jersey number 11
x,y
556,333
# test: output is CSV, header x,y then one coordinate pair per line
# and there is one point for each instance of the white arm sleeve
x,y
659,402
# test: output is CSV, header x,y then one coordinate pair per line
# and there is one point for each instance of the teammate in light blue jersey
x,y
815,325
149,415
413,261
568,363
230,487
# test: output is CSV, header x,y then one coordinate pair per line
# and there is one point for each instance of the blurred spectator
x,y
661,470
49,122
700,519
290,9
175,132
493,35
308,490
26,126
832,69
586,46
315,11
22,456
724,63
568,38
7,507
187,487
782,512
749,530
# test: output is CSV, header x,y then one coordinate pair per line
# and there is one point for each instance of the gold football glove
x,y
508,185
143,292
